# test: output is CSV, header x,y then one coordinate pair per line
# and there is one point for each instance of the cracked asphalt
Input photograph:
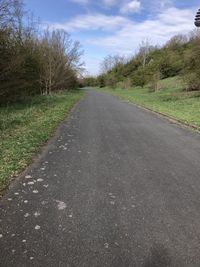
x,y
117,186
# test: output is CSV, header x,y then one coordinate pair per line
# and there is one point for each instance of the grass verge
x,y
26,126
171,100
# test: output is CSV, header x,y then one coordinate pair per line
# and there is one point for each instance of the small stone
x,y
35,191
28,177
30,183
37,227
24,241
40,180
106,245
1,235
26,215
61,205
36,214
25,201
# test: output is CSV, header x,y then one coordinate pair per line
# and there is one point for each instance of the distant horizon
x,y
115,27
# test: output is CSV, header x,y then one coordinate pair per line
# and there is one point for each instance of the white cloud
x,y
110,3
93,22
83,2
126,34
165,3
170,22
131,7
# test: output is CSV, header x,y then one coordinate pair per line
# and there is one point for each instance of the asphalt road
x,y
117,186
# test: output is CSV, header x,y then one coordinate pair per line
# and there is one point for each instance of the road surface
x,y
117,186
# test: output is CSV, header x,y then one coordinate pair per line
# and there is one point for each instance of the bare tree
x,y
144,50
33,61
61,59
5,13
110,62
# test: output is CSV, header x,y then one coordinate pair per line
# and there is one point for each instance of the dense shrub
x,y
180,56
31,61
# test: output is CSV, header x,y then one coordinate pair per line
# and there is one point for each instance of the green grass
x,y
25,127
171,100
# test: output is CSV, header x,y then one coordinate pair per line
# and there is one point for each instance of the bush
x,y
192,81
192,65
34,62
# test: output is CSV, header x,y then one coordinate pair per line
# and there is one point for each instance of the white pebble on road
x,y
40,180
36,214
61,205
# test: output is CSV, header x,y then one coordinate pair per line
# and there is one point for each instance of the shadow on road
x,y
159,257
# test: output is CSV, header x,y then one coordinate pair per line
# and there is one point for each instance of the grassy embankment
x,y
171,100
25,127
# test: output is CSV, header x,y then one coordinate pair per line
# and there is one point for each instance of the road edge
x,y
40,153
160,114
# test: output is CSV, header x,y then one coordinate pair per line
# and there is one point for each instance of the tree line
x,y
34,60
179,56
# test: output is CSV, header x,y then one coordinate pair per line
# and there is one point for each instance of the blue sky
x,y
116,27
